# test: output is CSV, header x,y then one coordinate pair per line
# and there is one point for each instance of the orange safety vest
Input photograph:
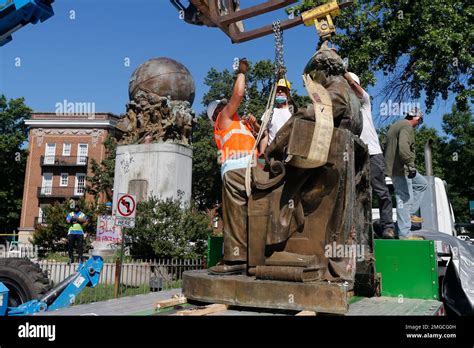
x,y
236,141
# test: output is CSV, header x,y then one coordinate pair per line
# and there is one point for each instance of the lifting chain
x,y
235,66
280,69
246,102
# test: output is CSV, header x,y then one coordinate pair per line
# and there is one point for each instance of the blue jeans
x,y
408,194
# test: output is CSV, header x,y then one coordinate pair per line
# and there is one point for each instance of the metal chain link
x,y
247,101
280,69
235,66
279,61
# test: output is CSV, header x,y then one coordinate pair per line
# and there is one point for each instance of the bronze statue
x,y
160,118
307,223
298,213
161,92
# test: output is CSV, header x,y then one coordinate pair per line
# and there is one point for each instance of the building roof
x,y
57,120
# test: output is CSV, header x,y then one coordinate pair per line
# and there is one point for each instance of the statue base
x,y
157,169
246,291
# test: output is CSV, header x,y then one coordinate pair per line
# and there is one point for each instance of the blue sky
x,y
82,59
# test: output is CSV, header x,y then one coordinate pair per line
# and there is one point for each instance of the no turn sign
x,y
126,210
126,206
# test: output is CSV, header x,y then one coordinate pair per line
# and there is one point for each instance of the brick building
x,y
60,151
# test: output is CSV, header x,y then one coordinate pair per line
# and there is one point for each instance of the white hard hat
x,y
355,78
211,108
415,112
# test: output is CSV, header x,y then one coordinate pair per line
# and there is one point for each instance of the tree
x,y
423,45
166,229
207,184
422,136
102,179
13,154
458,160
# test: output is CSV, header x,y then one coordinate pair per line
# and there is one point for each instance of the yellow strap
x,y
323,127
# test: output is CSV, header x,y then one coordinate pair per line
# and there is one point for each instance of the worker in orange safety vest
x,y
235,140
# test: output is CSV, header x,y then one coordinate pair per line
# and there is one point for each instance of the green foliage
x,y
207,183
51,237
104,292
422,45
458,160
102,179
422,135
260,78
166,229
13,134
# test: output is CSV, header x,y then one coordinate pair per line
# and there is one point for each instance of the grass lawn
x,y
103,292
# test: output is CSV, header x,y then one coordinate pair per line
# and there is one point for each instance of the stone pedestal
x,y
157,169
163,170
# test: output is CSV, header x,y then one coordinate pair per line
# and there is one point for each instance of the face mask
x,y
280,99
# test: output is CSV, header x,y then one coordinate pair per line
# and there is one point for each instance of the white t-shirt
x,y
369,135
280,116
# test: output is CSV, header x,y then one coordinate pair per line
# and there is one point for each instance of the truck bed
x,y
144,305
394,306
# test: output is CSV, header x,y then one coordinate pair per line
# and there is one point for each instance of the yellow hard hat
x,y
284,83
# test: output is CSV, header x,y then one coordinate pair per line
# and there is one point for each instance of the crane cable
x,y
280,71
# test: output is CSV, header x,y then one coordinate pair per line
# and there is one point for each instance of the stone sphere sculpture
x,y
164,77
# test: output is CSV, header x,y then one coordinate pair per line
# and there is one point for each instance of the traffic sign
x,y
126,210
126,205
124,222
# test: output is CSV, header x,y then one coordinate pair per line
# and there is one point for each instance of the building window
x,y
66,149
49,153
41,214
64,179
47,185
82,153
79,187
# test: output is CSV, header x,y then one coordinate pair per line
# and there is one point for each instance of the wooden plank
x,y
170,302
306,314
210,309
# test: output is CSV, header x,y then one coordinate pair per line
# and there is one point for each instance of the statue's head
x,y
325,62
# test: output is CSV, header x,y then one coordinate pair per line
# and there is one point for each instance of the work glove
x,y
411,173
243,66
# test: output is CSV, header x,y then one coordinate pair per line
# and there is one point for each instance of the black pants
x,y
377,179
73,239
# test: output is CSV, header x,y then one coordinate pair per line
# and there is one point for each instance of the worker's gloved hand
x,y
251,119
411,173
243,66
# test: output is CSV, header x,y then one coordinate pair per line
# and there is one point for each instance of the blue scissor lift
x,y
15,14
